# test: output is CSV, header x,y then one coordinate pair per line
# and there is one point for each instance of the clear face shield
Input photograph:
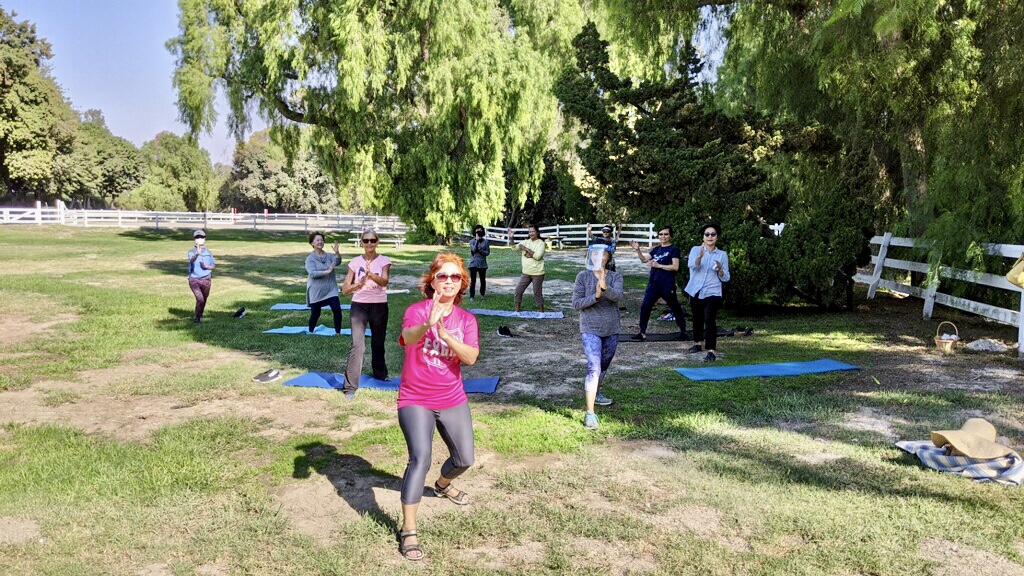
x,y
595,257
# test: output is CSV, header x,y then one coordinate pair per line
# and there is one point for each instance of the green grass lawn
x,y
139,445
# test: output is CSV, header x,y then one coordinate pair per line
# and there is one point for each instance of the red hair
x,y
440,260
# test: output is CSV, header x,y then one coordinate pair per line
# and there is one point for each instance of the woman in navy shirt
x,y
664,262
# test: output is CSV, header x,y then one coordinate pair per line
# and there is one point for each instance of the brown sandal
x,y
405,550
461,499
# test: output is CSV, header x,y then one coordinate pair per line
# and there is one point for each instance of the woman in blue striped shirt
x,y
709,269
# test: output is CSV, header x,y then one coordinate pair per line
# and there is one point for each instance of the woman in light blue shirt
x,y
709,269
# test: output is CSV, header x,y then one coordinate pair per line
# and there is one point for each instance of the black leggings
x,y
472,281
314,313
361,315
705,320
417,423
669,296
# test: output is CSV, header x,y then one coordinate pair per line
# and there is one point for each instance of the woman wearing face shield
x,y
596,294
200,273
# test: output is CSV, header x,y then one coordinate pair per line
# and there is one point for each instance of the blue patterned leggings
x,y
599,351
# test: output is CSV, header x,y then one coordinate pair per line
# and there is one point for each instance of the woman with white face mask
x,y
200,273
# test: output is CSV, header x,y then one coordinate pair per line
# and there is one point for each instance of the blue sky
x,y
110,55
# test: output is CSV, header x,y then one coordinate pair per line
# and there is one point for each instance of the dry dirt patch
x,y
18,531
956,559
20,328
102,406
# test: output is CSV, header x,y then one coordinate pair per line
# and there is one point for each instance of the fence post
x,y
305,224
254,222
929,295
156,220
883,251
39,212
650,234
206,224
1020,328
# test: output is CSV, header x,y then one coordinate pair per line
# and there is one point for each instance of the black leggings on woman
x,y
314,313
705,320
472,281
417,423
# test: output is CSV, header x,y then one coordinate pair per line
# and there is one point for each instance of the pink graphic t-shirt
x,y
432,373
371,292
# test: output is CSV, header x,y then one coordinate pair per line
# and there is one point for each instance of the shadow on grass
x,y
352,476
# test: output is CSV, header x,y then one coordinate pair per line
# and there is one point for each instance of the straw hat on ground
x,y
977,439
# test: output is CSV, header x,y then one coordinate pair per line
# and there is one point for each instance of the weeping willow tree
x,y
436,111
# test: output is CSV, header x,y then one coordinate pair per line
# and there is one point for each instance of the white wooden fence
x,y
930,293
563,234
207,220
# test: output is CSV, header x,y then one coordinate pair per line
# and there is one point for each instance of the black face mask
x,y
480,233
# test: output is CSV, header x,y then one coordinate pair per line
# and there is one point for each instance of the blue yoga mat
x,y
512,314
778,369
337,381
288,306
321,330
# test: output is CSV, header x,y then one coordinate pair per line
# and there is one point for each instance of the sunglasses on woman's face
x,y
445,277
710,234
369,240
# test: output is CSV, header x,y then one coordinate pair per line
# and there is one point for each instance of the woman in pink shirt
x,y
367,281
438,337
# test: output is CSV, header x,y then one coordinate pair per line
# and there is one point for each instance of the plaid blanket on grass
x,y
1008,470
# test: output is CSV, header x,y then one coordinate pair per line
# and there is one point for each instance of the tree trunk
x,y
913,162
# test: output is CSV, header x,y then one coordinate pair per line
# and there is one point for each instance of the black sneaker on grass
x,y
268,376
695,348
710,357
639,337
504,331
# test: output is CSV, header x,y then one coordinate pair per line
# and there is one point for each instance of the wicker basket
x,y
946,346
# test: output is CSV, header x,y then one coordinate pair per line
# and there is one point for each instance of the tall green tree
x,y
930,92
420,107
664,152
178,176
36,123
99,169
262,177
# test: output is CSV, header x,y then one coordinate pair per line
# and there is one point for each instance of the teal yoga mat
x,y
337,381
528,314
321,330
290,306
776,369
